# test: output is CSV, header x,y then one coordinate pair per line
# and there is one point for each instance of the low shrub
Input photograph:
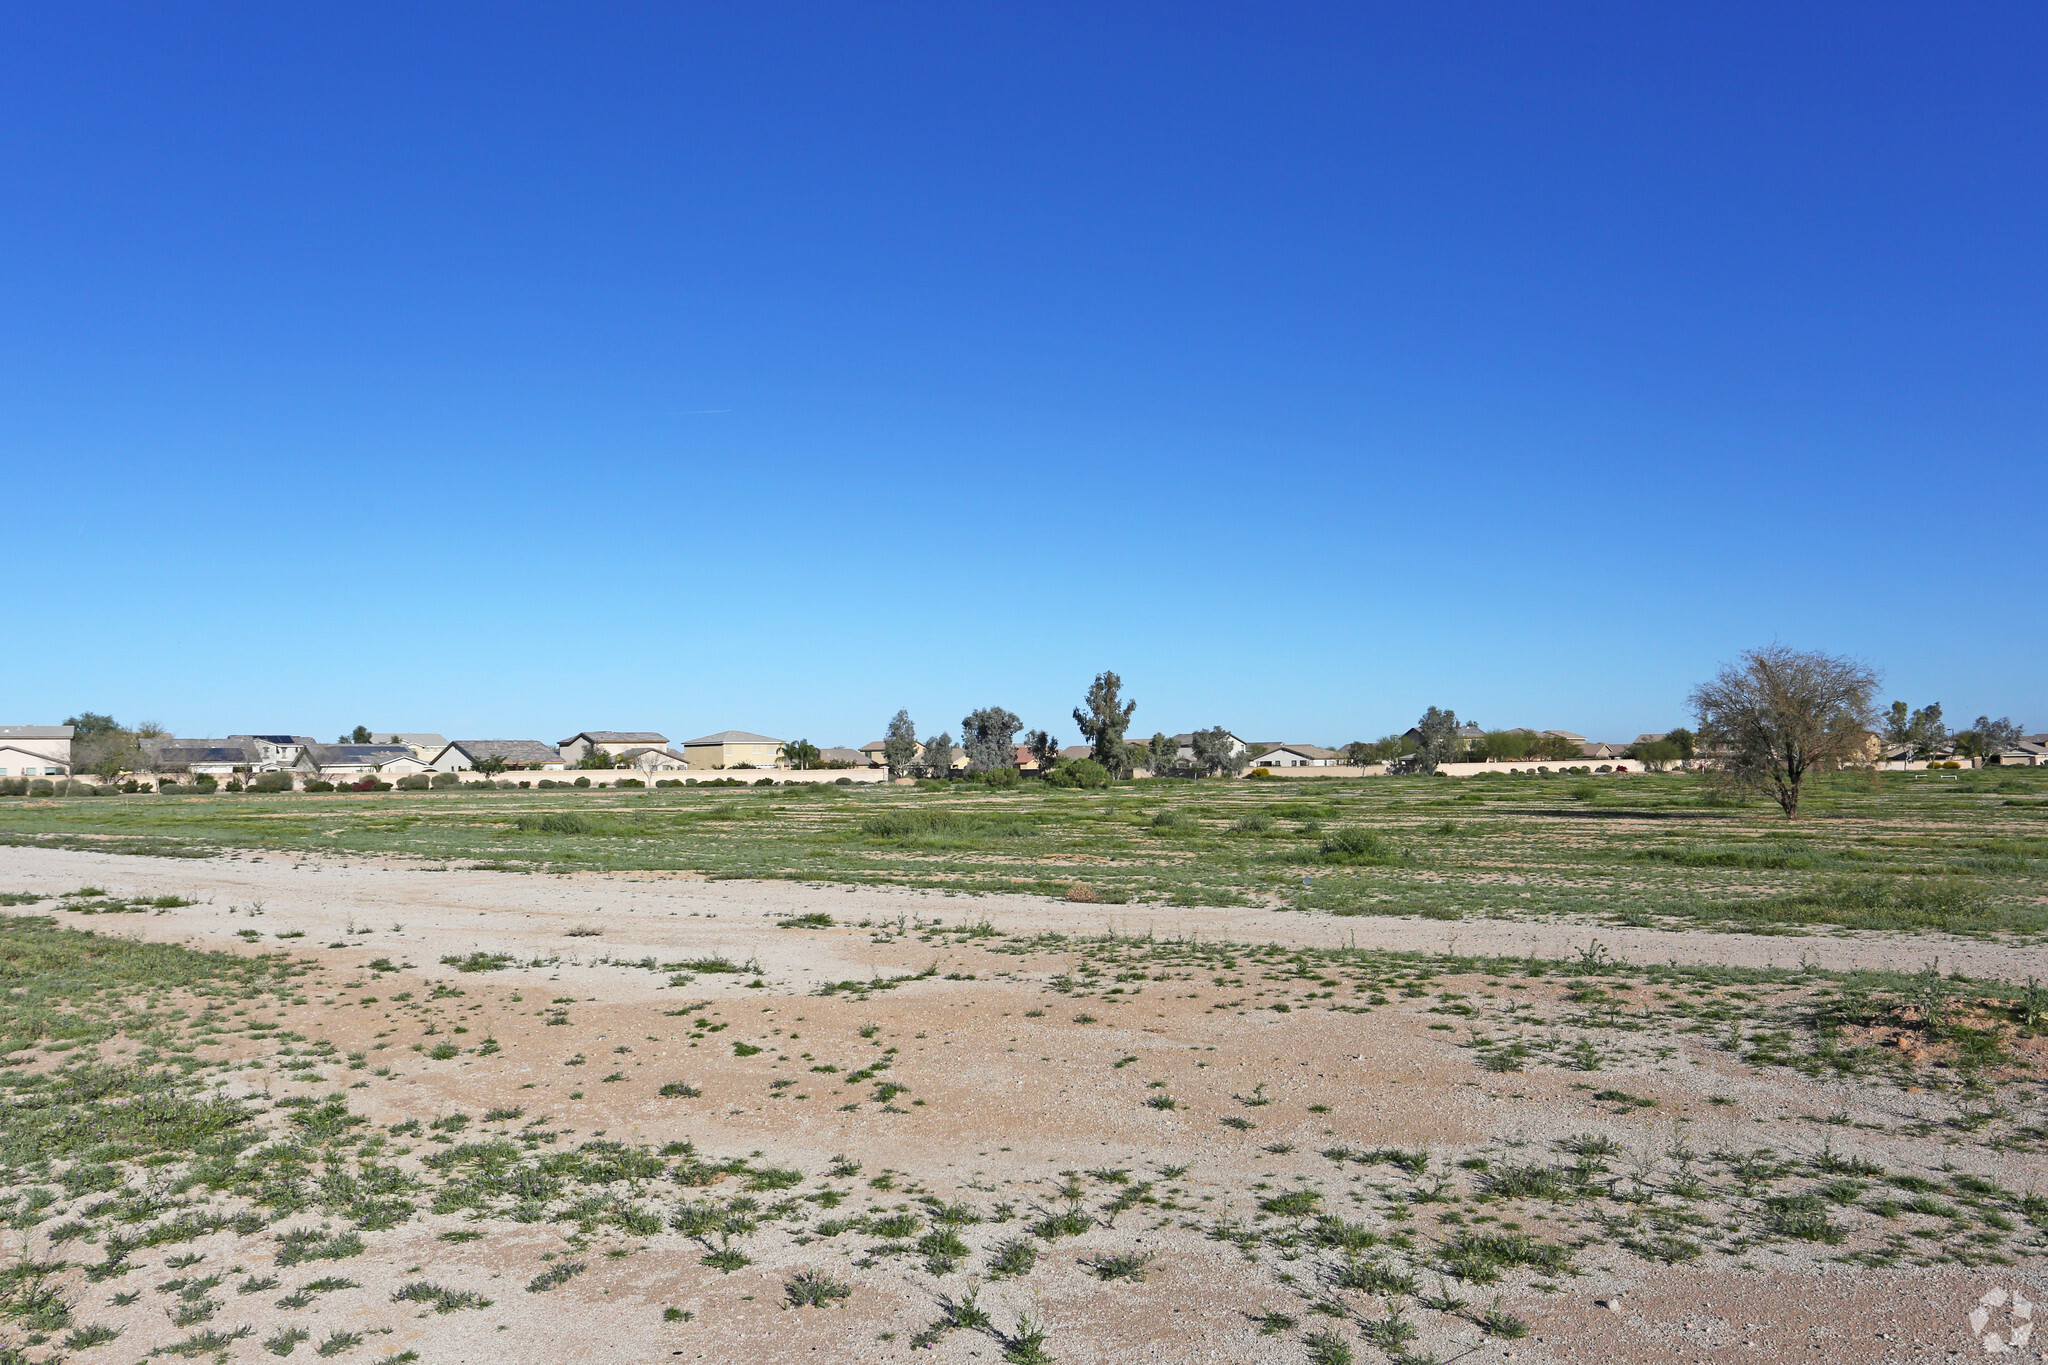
x,y
443,781
1356,847
631,782
416,782
271,782
317,785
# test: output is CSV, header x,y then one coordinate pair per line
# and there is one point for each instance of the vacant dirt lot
x,y
1173,1144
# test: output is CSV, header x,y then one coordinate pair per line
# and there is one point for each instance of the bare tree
x,y
1778,713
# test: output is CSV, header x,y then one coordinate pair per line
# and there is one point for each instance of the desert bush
x,y
1356,847
317,785
630,782
443,781
271,782
416,782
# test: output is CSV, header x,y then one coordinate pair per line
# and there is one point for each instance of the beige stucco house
x,y
730,748
35,750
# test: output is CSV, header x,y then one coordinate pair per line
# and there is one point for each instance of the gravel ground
x,y
1005,1099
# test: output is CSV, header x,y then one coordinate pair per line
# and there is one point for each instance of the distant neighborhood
x,y
145,758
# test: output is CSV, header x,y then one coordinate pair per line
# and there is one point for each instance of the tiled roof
x,y
732,737
618,737
36,731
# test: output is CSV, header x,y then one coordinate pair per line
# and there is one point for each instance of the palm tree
x,y
799,753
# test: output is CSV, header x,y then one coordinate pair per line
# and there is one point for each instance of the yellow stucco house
x,y
730,748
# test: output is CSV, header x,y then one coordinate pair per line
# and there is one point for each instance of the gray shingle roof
x,y
732,737
618,737
36,732
511,750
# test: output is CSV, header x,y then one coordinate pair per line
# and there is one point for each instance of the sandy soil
x,y
1005,1101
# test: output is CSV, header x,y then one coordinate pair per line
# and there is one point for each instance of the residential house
x,y
1185,746
1593,748
1566,734
731,749
272,753
335,762
422,746
1076,751
35,750
1467,735
525,754
406,764
649,759
2024,753
1296,756
198,757
851,758
615,742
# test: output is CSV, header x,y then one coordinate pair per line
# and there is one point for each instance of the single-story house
x,y
1296,756
35,750
331,761
731,748
1593,748
526,754
614,742
199,757
652,760
2025,753
1466,734
852,757
407,764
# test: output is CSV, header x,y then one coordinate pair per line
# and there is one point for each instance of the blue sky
x,y
509,371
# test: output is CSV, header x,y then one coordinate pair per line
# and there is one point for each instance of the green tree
x,y
899,748
1994,737
1216,753
1778,713
491,765
1657,755
1044,748
1920,733
799,754
990,738
1162,754
91,725
1504,745
100,745
1103,718
361,735
597,758
1436,739
1687,746
938,755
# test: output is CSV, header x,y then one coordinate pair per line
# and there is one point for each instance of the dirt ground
x,y
1007,1092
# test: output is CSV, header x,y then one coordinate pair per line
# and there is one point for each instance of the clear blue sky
x,y
508,371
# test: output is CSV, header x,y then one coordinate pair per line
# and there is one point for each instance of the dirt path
x,y
454,912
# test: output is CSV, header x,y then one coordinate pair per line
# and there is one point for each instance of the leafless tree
x,y
1778,713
